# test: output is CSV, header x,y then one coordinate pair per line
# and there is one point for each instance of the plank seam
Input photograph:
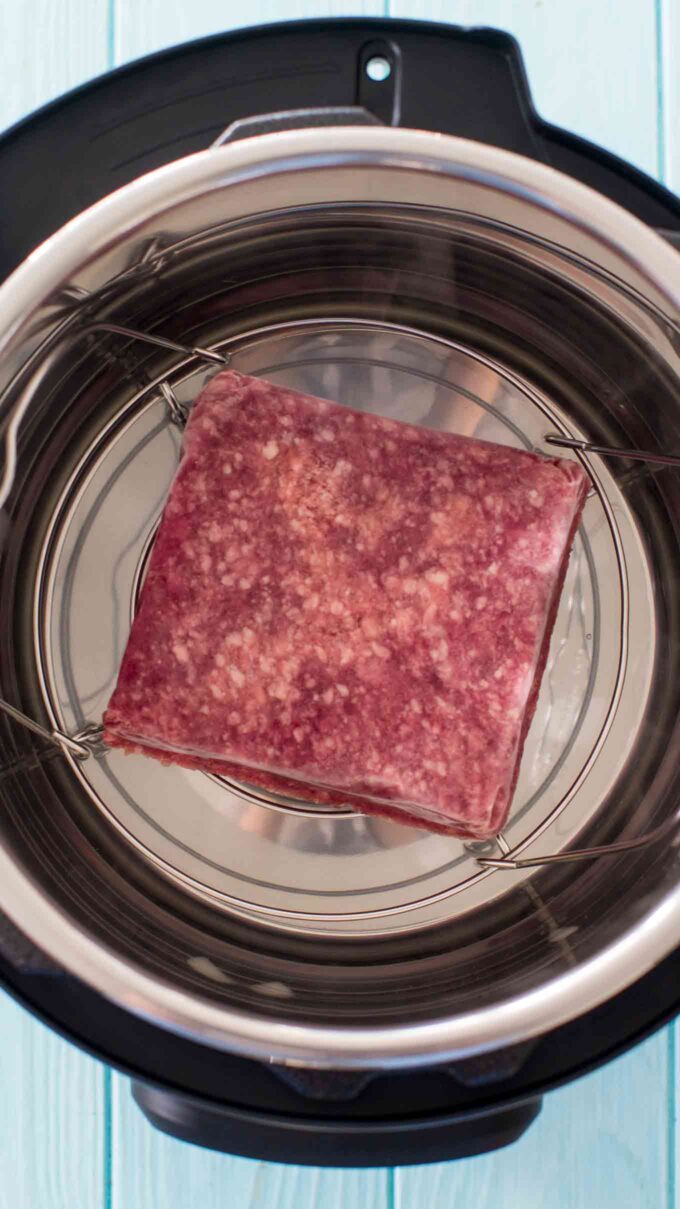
x,y
111,33
661,165
672,1113
108,1141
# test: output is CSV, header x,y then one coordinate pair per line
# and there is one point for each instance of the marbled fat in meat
x,y
347,607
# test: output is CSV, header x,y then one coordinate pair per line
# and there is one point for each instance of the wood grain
x,y
601,1142
52,1120
47,47
151,1171
591,65
144,27
668,36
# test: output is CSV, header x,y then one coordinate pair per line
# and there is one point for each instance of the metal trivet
x,y
88,742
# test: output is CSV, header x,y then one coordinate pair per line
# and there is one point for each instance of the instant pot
x,y
368,211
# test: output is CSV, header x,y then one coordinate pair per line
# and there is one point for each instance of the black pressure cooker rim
x,y
266,1118
76,134
83,132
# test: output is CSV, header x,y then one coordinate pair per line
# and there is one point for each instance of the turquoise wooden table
x,y
70,1136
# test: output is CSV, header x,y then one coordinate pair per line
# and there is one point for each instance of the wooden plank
x,y
592,66
52,1107
47,48
51,1118
601,1142
668,34
150,1170
142,28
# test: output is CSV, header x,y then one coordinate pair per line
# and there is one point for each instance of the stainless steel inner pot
x,y
432,280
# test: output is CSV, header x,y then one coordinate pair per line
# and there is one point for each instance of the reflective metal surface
x,y
441,283
260,854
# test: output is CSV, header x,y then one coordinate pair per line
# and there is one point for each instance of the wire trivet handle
x,y
89,742
85,743
582,854
609,451
10,435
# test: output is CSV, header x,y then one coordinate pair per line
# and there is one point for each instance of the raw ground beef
x,y
348,608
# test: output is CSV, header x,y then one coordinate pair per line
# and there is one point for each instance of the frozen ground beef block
x,y
348,608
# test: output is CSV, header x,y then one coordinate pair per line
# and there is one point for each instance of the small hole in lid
x,y
378,69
